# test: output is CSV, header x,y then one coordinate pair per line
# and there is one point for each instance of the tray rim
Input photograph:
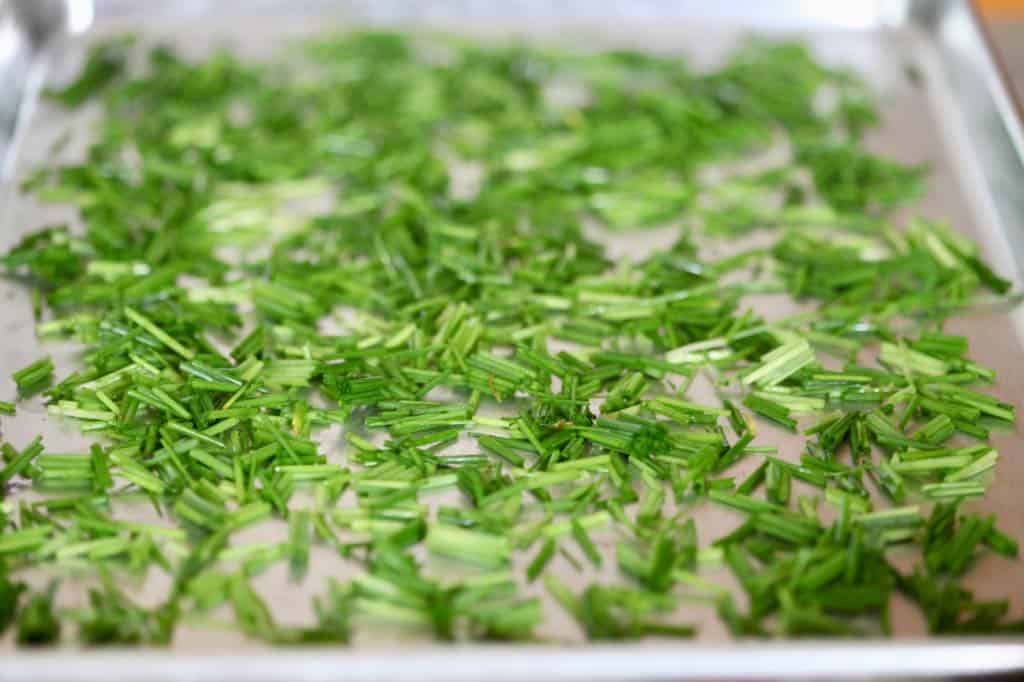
x,y
800,659
793,660
1014,115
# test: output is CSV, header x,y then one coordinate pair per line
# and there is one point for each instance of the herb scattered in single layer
x,y
364,294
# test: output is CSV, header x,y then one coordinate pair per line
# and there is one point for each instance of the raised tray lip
x,y
1015,102
791,660
1002,87
794,659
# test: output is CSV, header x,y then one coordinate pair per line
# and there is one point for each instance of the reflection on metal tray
x,y
963,121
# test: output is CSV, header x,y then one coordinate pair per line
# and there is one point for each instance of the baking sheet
x,y
919,124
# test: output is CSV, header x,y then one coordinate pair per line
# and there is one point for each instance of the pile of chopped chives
x,y
515,404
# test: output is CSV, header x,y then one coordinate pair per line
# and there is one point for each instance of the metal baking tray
x,y
961,119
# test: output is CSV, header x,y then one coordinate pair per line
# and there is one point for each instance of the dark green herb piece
x,y
37,623
10,594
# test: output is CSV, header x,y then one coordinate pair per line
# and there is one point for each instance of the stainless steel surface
x,y
27,29
889,661
1008,37
961,121
17,68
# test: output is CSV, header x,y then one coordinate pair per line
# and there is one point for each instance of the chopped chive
x,y
159,334
504,374
544,556
780,364
479,548
31,377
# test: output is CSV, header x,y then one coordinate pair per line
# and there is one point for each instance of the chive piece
x,y
770,410
756,477
159,334
31,378
20,461
10,595
480,548
579,533
544,556
37,624
780,364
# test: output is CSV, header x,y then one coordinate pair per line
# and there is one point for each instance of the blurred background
x,y
1005,19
